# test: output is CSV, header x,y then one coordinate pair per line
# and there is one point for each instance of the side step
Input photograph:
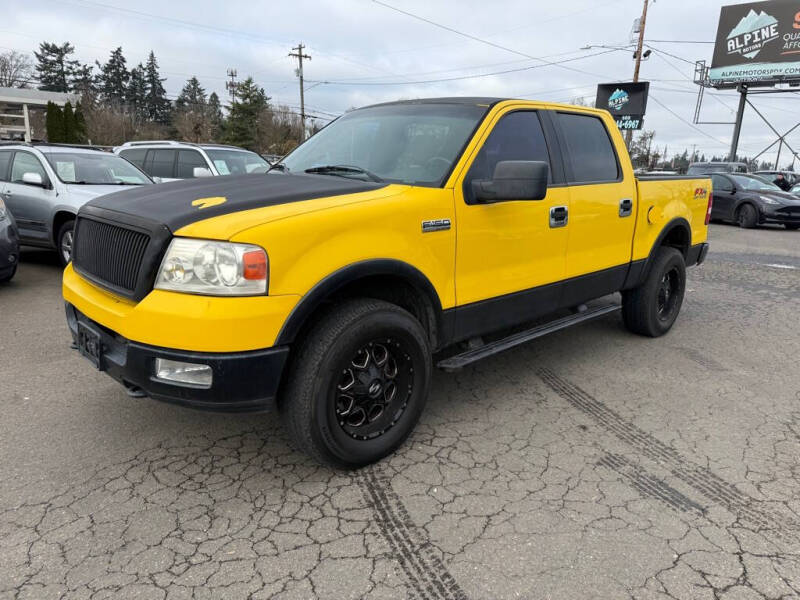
x,y
459,361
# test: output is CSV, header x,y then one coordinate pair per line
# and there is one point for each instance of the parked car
x,y
332,280
9,243
706,168
271,158
790,177
750,199
44,185
795,190
171,161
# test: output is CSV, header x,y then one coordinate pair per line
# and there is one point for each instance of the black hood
x,y
175,204
784,197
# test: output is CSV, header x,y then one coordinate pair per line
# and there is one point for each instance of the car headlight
x,y
2,210
213,268
768,200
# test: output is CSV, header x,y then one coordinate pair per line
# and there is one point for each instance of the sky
x,y
368,51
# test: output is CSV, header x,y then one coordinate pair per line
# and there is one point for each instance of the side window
x,y
187,161
25,162
721,184
136,156
517,136
5,160
589,149
161,163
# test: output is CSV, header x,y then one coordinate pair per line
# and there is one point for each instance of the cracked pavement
x,y
589,464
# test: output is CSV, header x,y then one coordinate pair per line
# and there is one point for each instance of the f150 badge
x,y
435,225
700,193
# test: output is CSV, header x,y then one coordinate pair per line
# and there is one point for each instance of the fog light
x,y
173,371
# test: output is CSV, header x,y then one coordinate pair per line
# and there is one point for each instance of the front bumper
x,y
781,214
242,381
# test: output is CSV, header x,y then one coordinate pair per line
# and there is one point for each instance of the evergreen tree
x,y
241,128
80,125
157,106
113,78
192,96
54,123
136,95
215,114
54,67
69,124
83,81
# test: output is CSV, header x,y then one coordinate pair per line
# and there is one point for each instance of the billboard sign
x,y
627,102
757,43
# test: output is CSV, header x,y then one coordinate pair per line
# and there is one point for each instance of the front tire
x,y
10,276
652,308
64,242
358,385
747,216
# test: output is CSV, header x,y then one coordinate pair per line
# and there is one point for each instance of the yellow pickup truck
x,y
402,236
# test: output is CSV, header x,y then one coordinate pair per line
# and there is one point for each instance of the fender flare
x,y
639,269
340,278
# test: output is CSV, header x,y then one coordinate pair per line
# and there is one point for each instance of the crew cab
x,y
402,236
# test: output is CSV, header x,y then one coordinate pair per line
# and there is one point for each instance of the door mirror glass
x,y
513,180
202,172
33,179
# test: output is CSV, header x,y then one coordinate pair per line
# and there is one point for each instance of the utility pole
x,y
642,22
231,85
298,54
737,128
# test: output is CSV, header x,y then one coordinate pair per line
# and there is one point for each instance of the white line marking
x,y
780,266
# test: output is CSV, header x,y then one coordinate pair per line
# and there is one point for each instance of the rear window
x,y
136,156
589,149
5,158
161,162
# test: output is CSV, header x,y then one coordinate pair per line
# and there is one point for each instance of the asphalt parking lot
x,y
589,464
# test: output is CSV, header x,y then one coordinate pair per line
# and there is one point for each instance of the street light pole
x,y
639,45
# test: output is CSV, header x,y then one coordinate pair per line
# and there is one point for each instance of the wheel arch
x,y
61,217
386,279
677,233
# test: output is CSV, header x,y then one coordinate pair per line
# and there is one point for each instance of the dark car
x,y
707,168
9,244
749,200
789,177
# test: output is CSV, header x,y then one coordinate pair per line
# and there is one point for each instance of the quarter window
x,y
161,163
590,152
187,161
24,162
517,136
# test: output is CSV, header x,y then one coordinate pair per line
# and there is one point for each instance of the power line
x,y
680,118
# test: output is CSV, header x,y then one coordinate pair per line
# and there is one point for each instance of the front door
x,y
29,203
602,213
724,200
509,259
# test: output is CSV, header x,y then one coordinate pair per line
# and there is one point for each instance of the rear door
x,y
509,259
30,204
724,200
602,206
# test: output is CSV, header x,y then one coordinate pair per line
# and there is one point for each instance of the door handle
x,y
625,207
559,216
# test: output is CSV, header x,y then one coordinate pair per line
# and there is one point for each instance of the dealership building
x,y
22,112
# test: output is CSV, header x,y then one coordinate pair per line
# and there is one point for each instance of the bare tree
x,y
16,69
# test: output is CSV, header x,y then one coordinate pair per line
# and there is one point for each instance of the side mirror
x,y
513,180
157,179
202,172
33,179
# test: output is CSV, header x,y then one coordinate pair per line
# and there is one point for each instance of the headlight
x,y
2,210
768,200
213,268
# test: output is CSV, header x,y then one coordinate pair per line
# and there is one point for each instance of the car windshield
x,y
95,169
796,190
750,182
416,144
237,162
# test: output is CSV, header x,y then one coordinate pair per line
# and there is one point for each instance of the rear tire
x,y
10,276
652,308
358,384
747,217
64,242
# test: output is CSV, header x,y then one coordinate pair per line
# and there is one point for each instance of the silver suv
x,y
170,161
44,185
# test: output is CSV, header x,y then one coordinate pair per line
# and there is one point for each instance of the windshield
x,y
755,183
95,169
416,144
237,162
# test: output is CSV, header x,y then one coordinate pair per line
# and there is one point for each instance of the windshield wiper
x,y
126,183
340,170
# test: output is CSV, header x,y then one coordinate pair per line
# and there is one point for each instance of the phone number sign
x,y
630,122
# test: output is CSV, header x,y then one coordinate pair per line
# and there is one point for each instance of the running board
x,y
459,361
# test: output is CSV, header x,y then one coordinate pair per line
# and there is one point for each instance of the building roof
x,y
35,97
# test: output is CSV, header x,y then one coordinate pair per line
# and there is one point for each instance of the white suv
x,y
170,161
